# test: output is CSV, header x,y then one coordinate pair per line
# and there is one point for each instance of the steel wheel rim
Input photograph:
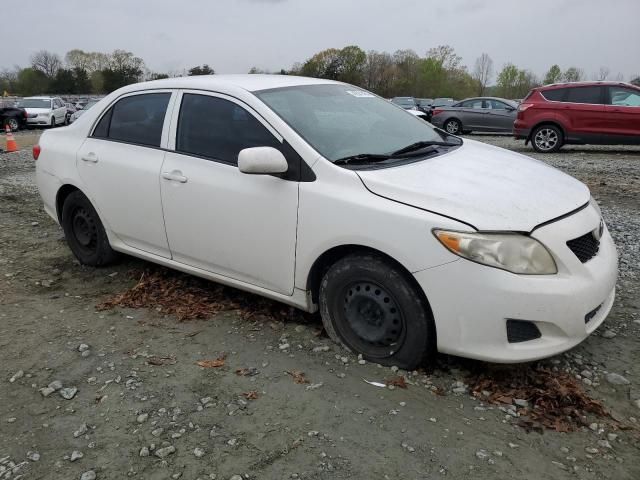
x,y
13,124
452,126
373,321
546,138
84,230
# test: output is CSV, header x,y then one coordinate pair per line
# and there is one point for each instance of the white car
x,y
324,196
44,111
78,113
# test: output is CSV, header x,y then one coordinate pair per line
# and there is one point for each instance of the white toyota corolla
x,y
324,196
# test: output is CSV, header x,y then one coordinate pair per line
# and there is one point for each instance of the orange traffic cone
x,y
12,146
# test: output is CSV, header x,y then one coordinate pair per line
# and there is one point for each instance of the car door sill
x,y
299,298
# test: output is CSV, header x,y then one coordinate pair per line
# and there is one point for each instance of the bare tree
x,y
619,77
603,73
47,62
482,72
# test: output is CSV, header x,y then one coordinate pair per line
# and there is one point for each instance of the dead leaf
x,y
217,363
399,381
298,377
247,372
252,395
155,360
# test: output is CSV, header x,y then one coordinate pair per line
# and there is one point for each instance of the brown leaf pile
x,y
217,363
399,381
557,401
190,298
298,377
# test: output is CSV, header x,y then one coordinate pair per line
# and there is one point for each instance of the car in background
x,y
13,117
78,113
439,102
44,111
71,109
424,104
480,114
420,114
408,103
601,113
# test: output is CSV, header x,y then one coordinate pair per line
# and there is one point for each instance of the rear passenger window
x,y
584,95
215,128
137,119
555,95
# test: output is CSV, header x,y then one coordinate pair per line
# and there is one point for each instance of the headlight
x,y
508,251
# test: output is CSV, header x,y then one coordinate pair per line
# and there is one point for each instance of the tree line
x,y
439,73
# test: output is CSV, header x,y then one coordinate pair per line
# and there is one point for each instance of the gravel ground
x,y
106,394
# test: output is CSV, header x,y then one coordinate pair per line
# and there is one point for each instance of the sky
x,y
234,35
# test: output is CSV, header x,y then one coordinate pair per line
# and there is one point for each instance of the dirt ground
x,y
143,407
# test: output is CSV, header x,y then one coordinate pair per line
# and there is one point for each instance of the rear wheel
x,y
12,123
453,126
547,139
370,306
84,231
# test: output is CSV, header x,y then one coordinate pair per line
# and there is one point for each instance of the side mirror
x,y
262,161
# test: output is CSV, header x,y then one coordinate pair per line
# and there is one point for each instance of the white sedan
x,y
324,196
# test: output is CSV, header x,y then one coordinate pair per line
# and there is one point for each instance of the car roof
x,y
249,82
585,84
39,98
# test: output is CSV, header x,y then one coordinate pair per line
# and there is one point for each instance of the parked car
x,y
605,113
13,117
408,103
78,113
424,104
420,114
71,109
481,114
439,102
44,110
326,197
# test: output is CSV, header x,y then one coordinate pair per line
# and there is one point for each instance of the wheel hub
x,y
84,229
372,314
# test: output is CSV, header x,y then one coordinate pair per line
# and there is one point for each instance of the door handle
x,y
175,176
90,157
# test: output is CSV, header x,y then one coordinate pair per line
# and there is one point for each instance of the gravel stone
x,y
81,431
33,456
88,475
82,347
55,385
76,455
617,379
16,376
198,452
142,417
165,451
609,334
144,452
68,393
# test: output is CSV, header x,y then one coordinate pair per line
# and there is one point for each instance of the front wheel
x,y
372,308
52,124
453,126
84,232
547,139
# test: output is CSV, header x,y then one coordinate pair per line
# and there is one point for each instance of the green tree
x,y
64,82
573,74
82,81
635,80
31,82
201,70
97,81
553,75
508,81
158,76
352,60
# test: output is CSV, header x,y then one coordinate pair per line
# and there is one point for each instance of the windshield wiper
x,y
362,158
423,144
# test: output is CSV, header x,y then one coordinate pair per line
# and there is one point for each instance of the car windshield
x,y
341,120
404,101
35,103
90,104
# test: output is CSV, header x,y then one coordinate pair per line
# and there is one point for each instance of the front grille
x,y
585,247
522,331
591,314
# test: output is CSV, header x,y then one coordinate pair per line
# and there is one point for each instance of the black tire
x,y
452,126
53,122
547,139
371,307
84,231
12,123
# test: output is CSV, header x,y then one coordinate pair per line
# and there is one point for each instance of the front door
x,y
120,164
217,218
500,116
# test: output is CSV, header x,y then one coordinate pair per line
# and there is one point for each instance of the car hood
x,y
487,187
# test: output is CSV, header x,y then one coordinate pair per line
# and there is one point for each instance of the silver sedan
x,y
481,114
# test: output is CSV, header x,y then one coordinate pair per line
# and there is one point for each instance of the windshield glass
x,y
342,120
404,101
35,103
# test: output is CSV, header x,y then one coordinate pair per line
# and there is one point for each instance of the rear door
x,y
622,113
120,165
472,114
584,111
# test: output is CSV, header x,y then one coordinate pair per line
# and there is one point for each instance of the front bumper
x,y
471,303
38,120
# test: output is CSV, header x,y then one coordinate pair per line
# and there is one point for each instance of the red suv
x,y
605,113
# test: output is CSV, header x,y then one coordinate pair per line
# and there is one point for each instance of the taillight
x,y
523,106
36,151
436,112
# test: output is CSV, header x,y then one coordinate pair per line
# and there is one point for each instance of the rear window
x,y
584,95
555,95
137,119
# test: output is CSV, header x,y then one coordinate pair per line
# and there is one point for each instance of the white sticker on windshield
x,y
360,94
